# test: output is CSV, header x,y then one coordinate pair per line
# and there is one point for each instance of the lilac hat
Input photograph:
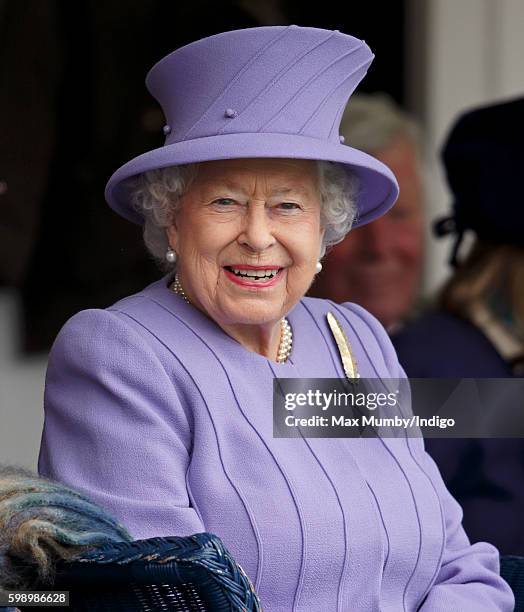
x,y
276,91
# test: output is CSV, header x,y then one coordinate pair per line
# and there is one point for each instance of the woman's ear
x,y
172,236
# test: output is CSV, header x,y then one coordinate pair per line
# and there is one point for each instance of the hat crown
x,y
277,79
277,91
484,160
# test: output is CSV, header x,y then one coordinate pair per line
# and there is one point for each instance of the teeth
x,y
266,274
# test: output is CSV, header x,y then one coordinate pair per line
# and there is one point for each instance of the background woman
x,y
476,328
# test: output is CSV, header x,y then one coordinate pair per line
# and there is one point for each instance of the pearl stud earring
x,y
319,267
170,256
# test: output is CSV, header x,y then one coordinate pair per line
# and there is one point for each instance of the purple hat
x,y
276,91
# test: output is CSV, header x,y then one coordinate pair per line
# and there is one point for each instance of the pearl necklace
x,y
177,288
286,341
286,334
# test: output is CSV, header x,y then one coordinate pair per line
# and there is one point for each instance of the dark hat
x,y
484,161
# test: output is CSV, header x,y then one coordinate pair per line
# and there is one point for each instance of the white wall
x,y
21,392
460,53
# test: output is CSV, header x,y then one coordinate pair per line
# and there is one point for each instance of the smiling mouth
x,y
256,275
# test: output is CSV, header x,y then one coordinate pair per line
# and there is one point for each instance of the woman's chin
x,y
251,315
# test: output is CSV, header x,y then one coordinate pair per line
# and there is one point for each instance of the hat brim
x,y
378,186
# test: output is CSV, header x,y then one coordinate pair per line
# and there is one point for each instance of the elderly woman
x,y
160,407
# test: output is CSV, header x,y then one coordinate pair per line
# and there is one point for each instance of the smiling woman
x,y
156,196
220,227
160,406
248,235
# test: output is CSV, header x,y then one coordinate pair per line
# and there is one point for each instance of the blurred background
x,y
73,107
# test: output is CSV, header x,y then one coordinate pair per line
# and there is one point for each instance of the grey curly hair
x,y
156,195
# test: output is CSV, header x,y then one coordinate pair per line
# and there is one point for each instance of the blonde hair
x,y
490,271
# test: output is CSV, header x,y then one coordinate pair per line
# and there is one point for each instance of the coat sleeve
x,y
469,575
115,428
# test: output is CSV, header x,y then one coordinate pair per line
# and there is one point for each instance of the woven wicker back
x,y
182,574
512,570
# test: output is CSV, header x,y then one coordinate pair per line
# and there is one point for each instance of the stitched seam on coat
x,y
411,452
286,477
347,548
235,487
379,510
442,521
361,318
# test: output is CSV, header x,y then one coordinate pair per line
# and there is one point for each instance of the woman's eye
x,y
289,206
224,202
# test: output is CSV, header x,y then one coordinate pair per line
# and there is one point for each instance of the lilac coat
x,y
164,420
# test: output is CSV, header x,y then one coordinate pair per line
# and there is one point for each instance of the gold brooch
x,y
344,347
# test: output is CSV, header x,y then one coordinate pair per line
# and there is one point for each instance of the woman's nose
x,y
257,231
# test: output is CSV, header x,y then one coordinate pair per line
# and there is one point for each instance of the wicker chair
x,y
183,574
512,570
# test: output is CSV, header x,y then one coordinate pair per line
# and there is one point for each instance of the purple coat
x,y
164,420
